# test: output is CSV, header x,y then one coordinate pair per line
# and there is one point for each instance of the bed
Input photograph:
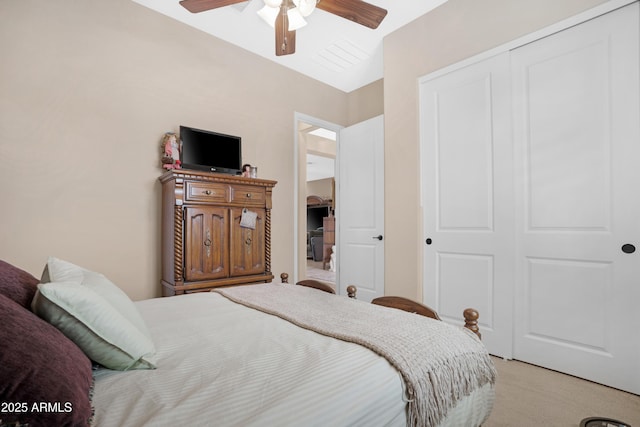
x,y
256,355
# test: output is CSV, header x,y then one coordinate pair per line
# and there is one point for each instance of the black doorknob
x,y
428,241
379,237
628,248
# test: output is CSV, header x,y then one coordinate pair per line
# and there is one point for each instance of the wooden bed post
x,y
471,321
351,291
284,277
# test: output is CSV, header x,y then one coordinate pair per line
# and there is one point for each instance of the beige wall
x,y
87,90
456,30
320,187
366,102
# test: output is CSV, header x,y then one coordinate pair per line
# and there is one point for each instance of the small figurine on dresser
x,y
170,151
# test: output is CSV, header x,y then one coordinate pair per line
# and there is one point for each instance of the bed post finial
x,y
284,277
471,321
351,291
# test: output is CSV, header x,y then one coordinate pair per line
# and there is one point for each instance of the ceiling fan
x,y
288,15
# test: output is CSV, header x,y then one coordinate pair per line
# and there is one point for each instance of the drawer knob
x,y
249,195
207,192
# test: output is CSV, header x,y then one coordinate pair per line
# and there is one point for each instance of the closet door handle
x,y
379,237
628,248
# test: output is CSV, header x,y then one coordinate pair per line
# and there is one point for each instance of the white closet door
x,y
468,201
577,139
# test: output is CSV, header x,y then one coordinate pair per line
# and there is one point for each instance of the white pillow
x,y
94,313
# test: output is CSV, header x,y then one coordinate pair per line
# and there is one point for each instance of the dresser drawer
x,y
248,195
206,192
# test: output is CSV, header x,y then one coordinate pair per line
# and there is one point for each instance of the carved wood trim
x,y
267,242
317,201
215,177
178,221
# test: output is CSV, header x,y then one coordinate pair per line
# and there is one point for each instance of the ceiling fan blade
x,y
195,6
285,39
357,11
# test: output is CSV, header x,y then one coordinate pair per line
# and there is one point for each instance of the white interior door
x,y
577,139
468,197
360,208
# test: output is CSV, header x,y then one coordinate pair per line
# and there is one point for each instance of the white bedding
x,y
223,364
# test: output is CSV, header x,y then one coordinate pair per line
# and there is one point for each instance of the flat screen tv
x,y
210,151
315,216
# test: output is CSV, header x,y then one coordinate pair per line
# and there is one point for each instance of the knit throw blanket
x,y
439,363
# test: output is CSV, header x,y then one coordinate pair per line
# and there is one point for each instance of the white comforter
x,y
223,364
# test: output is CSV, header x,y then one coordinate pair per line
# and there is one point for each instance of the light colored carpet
x,y
527,395
315,271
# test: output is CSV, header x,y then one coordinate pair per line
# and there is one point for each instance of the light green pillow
x,y
58,270
94,313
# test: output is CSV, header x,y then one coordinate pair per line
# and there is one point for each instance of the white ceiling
x,y
321,164
320,167
330,49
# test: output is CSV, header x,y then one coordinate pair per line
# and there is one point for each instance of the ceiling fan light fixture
x,y
269,14
273,3
296,20
305,7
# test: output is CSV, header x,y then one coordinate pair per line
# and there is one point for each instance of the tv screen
x,y
210,151
315,215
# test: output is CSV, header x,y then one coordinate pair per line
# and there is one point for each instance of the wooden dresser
x,y
203,244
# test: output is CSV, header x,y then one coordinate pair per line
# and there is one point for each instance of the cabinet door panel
x,y
247,245
206,237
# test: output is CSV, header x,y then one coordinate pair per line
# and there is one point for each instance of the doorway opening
x,y
316,148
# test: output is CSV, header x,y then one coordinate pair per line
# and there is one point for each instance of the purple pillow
x,y
17,284
45,379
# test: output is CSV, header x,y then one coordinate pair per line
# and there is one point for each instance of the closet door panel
x,y
468,197
577,133
568,144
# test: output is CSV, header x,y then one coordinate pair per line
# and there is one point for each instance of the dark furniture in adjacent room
x,y
320,232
